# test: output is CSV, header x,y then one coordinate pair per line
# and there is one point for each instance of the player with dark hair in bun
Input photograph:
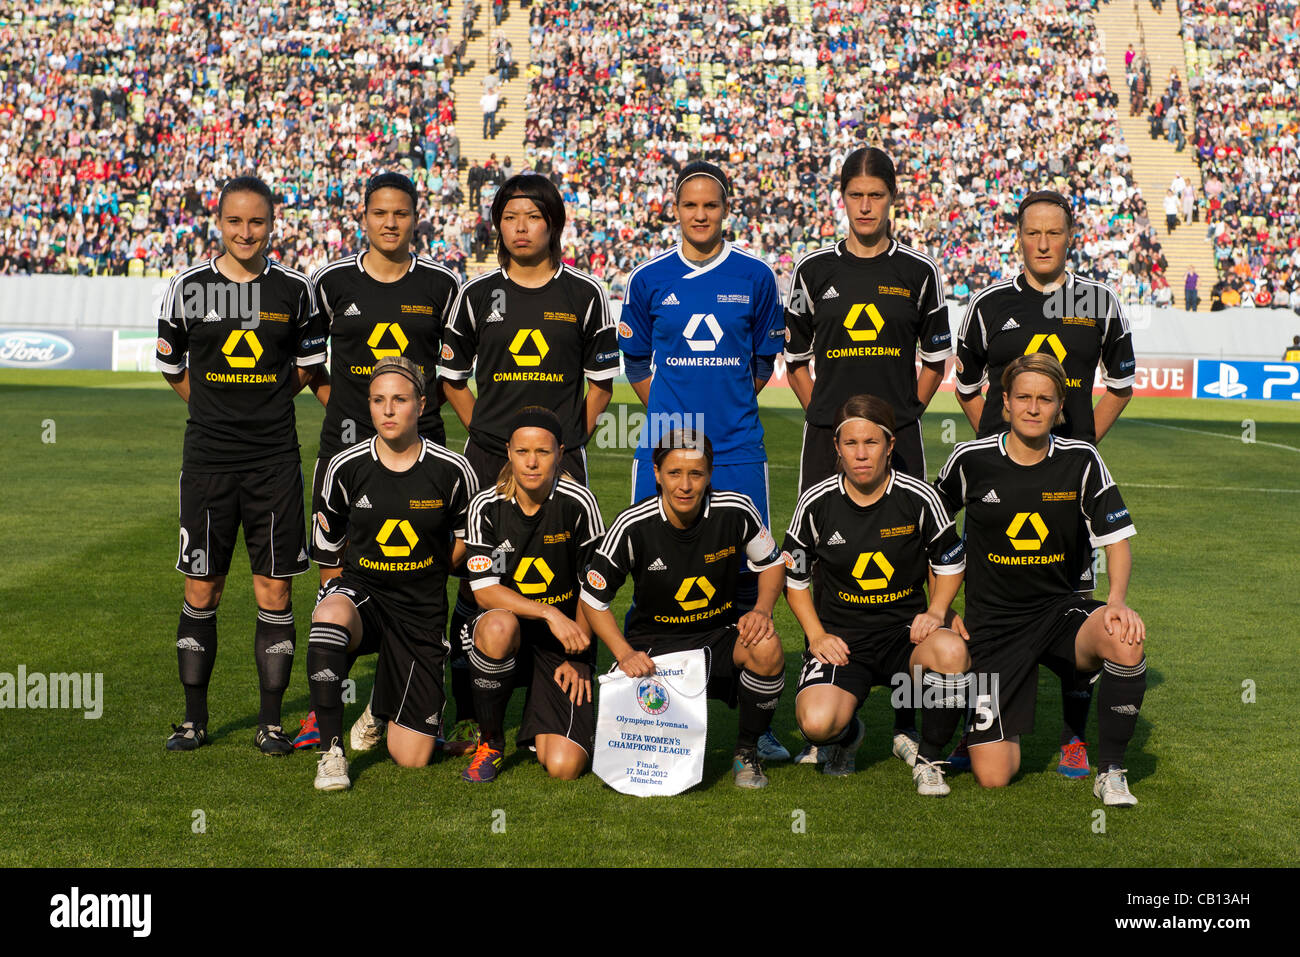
x,y
1026,493
877,534
237,338
1047,309
864,309
383,302
684,550
534,332
529,538
399,500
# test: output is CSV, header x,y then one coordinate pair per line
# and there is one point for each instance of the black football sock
x,y
904,719
756,698
1076,701
196,653
462,686
493,681
273,643
850,732
327,667
1119,699
943,705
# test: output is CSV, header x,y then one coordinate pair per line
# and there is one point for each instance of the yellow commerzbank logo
x,y
705,588
1018,525
521,340
232,343
873,315
543,571
394,333
386,533
863,565
1036,345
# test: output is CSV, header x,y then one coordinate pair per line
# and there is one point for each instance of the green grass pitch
x,y
87,584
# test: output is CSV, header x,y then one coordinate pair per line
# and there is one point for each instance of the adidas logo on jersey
x,y
1124,709
302,552
432,719
212,316
657,566
363,502
671,300
505,546
352,310
189,644
992,498
1010,324
835,539
494,316
324,675
1086,576
281,648
830,293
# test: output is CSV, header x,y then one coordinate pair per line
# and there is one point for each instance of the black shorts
x,y
818,461
1005,662
487,465
547,707
724,676
317,549
875,659
266,501
408,676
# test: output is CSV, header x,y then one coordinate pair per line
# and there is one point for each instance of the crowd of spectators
x,y
1244,89
119,122
977,103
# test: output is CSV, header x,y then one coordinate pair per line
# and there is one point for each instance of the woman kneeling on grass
x,y
1024,491
875,532
400,503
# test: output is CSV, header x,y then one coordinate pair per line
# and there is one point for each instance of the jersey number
x,y
811,672
983,713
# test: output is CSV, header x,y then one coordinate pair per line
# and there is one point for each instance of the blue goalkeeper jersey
x,y
703,328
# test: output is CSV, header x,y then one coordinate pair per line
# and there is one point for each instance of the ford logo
x,y
26,349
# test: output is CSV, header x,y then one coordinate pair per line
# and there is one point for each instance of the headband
x,y
703,169
859,418
536,417
401,366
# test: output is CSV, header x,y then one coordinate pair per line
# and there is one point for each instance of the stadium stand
x,y
1243,78
118,124
977,103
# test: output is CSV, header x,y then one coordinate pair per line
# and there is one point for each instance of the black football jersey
x,y
540,556
1081,324
530,347
368,320
862,323
1022,521
684,578
873,558
242,343
399,526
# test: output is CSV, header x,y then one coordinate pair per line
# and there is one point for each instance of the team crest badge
x,y
447,353
164,347
652,696
625,330
479,564
595,579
